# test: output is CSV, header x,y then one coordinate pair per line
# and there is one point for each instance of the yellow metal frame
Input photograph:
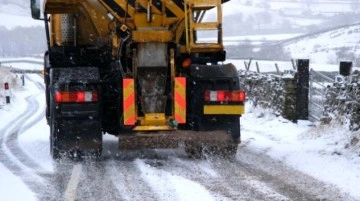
x,y
193,25
152,36
187,28
91,17
151,122
160,27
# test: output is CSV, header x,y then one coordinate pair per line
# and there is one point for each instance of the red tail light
x,y
222,96
76,96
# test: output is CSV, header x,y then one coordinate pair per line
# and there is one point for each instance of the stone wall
x,y
277,92
343,101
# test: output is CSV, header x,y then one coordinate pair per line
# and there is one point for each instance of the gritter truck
x,y
151,72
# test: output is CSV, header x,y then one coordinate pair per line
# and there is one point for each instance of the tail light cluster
x,y
76,96
224,96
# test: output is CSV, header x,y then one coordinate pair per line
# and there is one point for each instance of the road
x,y
144,174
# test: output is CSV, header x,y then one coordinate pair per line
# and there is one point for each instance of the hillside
x,y
20,34
16,14
328,47
274,17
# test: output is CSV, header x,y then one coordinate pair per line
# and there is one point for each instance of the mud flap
x,y
81,135
75,126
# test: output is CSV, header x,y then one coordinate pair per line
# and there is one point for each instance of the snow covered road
x,y
27,171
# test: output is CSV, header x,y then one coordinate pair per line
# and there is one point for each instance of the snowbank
x,y
324,152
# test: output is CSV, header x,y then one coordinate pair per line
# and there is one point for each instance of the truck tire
x,y
229,150
234,128
54,149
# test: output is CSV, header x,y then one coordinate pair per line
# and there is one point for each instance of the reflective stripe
x,y
224,109
180,99
129,102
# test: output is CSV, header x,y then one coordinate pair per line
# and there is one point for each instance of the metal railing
x,y
317,94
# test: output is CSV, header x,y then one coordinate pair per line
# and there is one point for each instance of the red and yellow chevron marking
x,y
129,101
180,100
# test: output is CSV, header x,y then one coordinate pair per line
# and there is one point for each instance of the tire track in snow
x,y
126,179
284,179
58,182
202,172
12,141
222,180
96,183
35,182
168,186
248,186
14,158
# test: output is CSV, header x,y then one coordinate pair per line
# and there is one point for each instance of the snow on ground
x,y
12,188
38,134
315,7
253,39
172,184
343,45
17,190
321,151
272,37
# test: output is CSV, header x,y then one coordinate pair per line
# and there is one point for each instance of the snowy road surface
x,y
27,171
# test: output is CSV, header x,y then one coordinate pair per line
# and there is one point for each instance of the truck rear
x,y
141,70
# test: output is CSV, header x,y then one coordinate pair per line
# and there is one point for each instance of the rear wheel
x,y
234,128
54,149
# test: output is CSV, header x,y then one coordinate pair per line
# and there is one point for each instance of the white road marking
x,y
70,193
